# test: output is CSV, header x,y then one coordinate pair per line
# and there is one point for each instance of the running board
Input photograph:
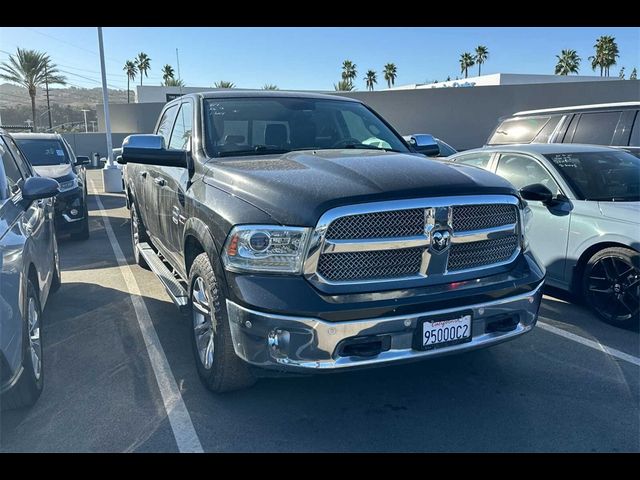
x,y
175,290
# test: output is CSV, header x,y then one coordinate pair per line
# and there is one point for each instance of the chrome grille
x,y
478,217
395,223
478,254
370,265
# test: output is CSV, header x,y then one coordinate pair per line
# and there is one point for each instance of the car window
x,y
166,122
522,170
445,149
545,134
23,163
44,151
518,130
480,159
12,178
596,128
634,141
181,135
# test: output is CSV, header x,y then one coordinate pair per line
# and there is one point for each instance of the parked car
x,y
29,273
429,145
301,233
609,124
586,219
51,156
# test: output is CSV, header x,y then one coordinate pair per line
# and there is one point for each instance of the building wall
x,y
90,143
130,117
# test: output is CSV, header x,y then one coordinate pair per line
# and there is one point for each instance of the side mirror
x,y
81,160
36,188
424,143
537,192
151,150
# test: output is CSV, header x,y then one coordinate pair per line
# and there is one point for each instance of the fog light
x,y
73,212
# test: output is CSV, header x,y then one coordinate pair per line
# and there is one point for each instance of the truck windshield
x,y
42,152
604,176
255,126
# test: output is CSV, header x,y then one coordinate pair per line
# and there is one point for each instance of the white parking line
x,y
590,343
179,418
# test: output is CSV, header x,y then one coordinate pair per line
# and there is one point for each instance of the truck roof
x,y
234,93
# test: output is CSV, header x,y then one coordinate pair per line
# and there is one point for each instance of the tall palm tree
x,y
343,86
482,54
131,70
390,74
143,62
605,55
370,79
224,84
568,62
466,62
270,86
31,69
174,82
167,73
349,71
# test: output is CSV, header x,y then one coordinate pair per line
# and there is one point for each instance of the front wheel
x,y
219,368
611,285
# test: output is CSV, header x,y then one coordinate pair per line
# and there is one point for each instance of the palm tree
x,y
224,84
143,62
634,74
370,79
482,54
390,74
131,70
270,86
167,73
174,82
568,62
606,54
31,69
343,86
466,62
349,72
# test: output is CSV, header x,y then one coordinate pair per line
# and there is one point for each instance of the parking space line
x,y
179,418
590,343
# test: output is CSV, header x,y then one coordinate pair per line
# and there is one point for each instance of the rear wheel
x,y
138,235
611,285
219,368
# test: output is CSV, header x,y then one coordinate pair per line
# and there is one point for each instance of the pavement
x,y
118,380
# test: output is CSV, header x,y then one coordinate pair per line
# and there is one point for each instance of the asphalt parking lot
x,y
117,381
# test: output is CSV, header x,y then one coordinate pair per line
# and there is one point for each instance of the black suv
x,y
51,156
611,124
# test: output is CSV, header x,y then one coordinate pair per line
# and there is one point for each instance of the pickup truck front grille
x,y
414,238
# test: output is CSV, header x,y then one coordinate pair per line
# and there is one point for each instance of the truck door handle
x,y
159,181
143,174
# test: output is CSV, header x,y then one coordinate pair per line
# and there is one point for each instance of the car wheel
x,y
219,368
29,387
611,285
138,235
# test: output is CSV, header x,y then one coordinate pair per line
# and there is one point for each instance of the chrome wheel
x,y
35,346
203,328
614,287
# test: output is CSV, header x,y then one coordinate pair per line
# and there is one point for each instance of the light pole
x,y
86,130
93,125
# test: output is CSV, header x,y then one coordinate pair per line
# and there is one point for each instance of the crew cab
x,y
302,233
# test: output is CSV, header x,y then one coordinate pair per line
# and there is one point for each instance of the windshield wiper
x,y
257,150
615,199
364,146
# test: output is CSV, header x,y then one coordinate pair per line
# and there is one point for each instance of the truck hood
x,y
625,211
297,187
53,171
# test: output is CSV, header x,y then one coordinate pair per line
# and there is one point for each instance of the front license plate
x,y
445,332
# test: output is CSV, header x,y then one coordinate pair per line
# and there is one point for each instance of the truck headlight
x,y
64,186
266,248
526,214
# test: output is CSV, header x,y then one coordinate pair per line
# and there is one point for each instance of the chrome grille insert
x,y
396,223
478,217
373,264
463,256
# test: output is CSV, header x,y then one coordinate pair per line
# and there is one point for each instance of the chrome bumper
x,y
310,344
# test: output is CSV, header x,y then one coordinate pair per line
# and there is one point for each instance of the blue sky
x,y
310,58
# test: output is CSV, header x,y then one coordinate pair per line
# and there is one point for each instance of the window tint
x,y
521,171
547,130
475,159
518,130
23,163
42,151
635,133
596,128
10,181
166,122
181,135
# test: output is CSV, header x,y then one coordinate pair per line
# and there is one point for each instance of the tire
x,y
29,387
611,286
84,233
219,368
138,235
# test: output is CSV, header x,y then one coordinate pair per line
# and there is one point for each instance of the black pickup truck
x,y
301,233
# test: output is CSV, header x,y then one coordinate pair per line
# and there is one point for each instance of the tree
x,y
224,84
343,86
621,74
482,54
174,82
370,79
390,74
568,62
167,73
30,69
131,70
634,74
466,62
349,71
270,86
143,63
606,53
